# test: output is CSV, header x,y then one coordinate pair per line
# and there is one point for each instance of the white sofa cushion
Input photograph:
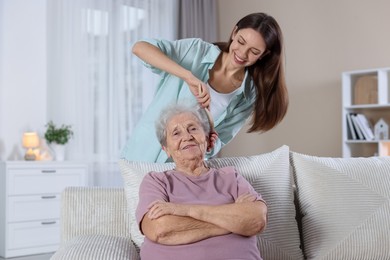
x,y
97,247
268,173
345,206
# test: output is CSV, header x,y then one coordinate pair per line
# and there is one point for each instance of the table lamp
x,y
30,141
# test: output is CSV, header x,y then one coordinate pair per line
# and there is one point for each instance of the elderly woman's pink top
x,y
216,187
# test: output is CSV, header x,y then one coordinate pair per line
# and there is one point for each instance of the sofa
x,y
318,208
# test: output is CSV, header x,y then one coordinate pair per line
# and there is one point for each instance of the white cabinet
x,y
30,194
365,92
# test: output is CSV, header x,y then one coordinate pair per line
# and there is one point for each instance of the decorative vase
x,y
59,151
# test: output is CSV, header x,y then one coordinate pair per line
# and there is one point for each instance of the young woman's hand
x,y
200,91
203,97
212,140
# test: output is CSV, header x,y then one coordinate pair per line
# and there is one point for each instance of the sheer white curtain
x,y
95,84
198,18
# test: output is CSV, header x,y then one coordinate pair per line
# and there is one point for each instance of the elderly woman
x,y
193,211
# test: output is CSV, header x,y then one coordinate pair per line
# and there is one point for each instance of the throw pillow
x,y
345,206
270,176
133,173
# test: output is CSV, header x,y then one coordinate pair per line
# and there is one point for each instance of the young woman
x,y
235,80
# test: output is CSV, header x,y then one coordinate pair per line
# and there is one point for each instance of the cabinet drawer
x,y
38,181
36,207
33,234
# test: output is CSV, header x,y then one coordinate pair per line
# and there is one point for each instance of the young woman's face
x,y
246,48
186,138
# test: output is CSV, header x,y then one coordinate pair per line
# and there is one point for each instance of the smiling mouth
x,y
188,146
238,59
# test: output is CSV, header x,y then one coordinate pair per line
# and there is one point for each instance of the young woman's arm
x,y
154,56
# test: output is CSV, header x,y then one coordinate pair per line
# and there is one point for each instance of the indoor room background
x,y
322,39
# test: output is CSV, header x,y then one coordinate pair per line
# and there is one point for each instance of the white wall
x,y
22,73
322,39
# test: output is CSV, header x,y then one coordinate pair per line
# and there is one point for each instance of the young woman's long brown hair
x,y
267,73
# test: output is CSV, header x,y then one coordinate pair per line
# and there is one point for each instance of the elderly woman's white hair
x,y
176,109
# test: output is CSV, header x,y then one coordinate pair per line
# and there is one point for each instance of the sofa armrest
x,y
94,211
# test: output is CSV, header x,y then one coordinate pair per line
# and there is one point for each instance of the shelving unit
x,y
374,103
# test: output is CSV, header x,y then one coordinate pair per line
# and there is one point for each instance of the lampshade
x,y
30,140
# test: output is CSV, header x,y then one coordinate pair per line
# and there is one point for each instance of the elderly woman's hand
x,y
160,208
246,198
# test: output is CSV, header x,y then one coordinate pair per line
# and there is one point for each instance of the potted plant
x,y
57,137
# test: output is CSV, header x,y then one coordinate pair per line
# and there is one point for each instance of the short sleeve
x,y
245,187
152,188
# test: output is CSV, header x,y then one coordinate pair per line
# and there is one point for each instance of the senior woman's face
x,y
186,138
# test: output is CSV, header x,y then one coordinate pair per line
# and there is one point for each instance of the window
x,y
95,83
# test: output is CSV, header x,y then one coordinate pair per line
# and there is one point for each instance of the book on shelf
x,y
357,127
366,127
351,132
